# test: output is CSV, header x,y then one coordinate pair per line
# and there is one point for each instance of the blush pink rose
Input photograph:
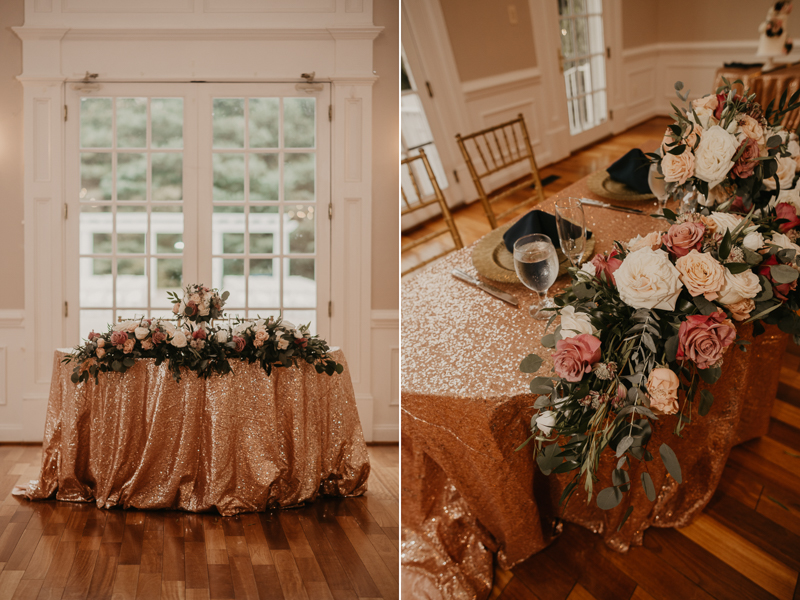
x,y
682,238
240,343
662,389
127,348
704,338
607,266
158,336
118,338
787,211
747,162
575,356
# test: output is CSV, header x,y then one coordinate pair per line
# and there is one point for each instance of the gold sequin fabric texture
x,y
238,443
466,407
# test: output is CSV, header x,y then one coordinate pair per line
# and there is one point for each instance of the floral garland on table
x,y
200,346
199,303
641,328
729,149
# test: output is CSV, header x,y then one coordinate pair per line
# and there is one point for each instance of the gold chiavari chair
x,y
421,201
494,149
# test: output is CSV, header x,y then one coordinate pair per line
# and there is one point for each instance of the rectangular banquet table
x,y
466,407
238,443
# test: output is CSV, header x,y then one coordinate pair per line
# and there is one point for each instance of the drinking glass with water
x,y
536,263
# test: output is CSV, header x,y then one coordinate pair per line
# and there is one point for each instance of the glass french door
x,y
222,184
582,56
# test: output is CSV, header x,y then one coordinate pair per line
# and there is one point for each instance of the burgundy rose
x,y
787,211
301,341
607,266
682,238
199,334
704,338
746,165
738,205
782,290
93,335
118,338
575,356
158,336
240,343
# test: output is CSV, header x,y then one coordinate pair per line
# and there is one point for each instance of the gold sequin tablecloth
x,y
766,86
466,407
238,443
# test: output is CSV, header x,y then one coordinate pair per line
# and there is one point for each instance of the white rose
x,y
575,323
725,221
195,298
545,421
141,332
793,147
651,240
713,155
203,311
786,168
647,279
297,334
753,241
589,268
178,339
168,326
738,287
222,336
283,344
706,116
287,324
784,242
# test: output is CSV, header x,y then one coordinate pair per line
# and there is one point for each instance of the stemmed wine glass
x,y
659,187
536,263
571,225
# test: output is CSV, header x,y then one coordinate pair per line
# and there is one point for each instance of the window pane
x,y
95,176
264,229
226,220
228,177
299,285
228,122
263,126
298,227
95,122
167,175
168,278
264,283
131,176
131,282
95,320
101,243
169,243
228,274
96,282
298,177
130,243
132,122
166,116
166,224
95,229
264,177
233,243
298,122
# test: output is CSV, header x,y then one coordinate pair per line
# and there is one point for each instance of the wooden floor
x,y
471,220
334,548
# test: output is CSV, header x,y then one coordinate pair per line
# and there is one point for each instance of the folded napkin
x,y
632,170
741,65
536,221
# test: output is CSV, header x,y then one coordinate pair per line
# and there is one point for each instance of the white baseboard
x,y
386,433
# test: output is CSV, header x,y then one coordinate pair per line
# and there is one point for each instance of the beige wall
x,y
649,21
484,42
11,203
386,158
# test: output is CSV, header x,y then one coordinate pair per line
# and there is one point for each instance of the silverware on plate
x,y
592,202
489,289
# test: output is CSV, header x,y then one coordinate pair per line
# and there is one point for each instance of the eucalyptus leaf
x,y
627,514
609,498
531,363
736,268
710,375
671,462
621,479
623,446
649,488
706,400
549,341
783,273
541,385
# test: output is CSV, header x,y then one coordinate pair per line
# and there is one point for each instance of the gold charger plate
x,y
492,260
600,183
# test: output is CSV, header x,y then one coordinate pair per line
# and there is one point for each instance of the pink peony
x,y
607,266
787,211
240,343
704,338
682,238
747,162
575,356
118,338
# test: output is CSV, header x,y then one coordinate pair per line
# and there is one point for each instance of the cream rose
x,y
647,279
725,221
545,421
701,274
178,339
651,240
574,323
662,389
741,310
710,101
782,241
786,169
753,241
712,158
751,128
222,336
739,287
706,116
141,332
678,168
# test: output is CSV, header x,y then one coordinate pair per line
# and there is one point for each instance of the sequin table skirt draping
x,y
238,443
466,492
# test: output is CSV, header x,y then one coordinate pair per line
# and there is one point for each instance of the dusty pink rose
x,y
704,338
662,389
787,211
575,356
240,343
741,310
678,168
199,334
127,348
118,338
158,336
746,165
607,266
93,335
682,238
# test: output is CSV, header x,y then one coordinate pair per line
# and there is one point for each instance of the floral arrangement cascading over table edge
x,y
642,327
198,344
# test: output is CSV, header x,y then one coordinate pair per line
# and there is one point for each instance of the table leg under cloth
x,y
238,443
468,494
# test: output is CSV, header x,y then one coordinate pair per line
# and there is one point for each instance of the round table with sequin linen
x,y
466,492
236,443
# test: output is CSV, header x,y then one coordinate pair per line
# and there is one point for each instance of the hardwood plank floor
x,y
331,548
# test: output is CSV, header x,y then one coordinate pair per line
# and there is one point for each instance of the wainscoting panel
x,y
386,375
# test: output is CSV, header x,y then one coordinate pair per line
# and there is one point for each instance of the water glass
x,y
536,263
659,187
571,225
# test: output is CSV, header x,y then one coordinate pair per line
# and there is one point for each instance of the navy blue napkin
x,y
536,221
632,170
